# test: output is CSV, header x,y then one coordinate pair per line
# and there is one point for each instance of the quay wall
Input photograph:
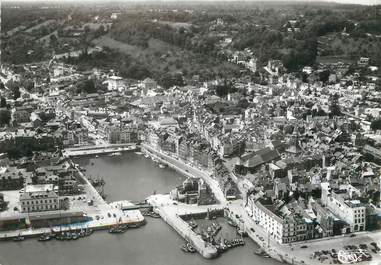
x,y
183,229
32,233
164,161
186,170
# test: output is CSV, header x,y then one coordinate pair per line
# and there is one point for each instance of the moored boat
x,y
191,248
184,248
261,252
45,237
118,229
19,238
192,224
231,223
116,154
188,248
242,232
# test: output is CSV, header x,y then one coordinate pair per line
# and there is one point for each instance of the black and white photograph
x,y
190,132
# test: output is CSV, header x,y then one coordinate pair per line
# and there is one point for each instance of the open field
x,y
166,57
38,26
175,25
335,47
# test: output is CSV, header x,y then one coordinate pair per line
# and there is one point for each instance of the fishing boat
x,y
231,223
162,165
19,238
60,236
96,156
184,248
188,248
146,156
88,231
138,153
192,224
135,225
153,214
75,236
67,236
242,232
115,154
118,229
45,237
191,248
261,252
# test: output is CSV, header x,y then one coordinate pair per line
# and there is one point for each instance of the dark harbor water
x,y
134,178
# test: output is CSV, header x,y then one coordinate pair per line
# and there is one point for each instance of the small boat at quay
x,y
231,223
188,248
68,235
45,237
162,165
19,238
261,252
118,229
241,232
192,223
116,154
151,214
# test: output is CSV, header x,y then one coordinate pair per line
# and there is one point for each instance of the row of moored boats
x,y
63,235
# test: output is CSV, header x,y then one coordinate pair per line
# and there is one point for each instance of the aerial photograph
x,y
190,132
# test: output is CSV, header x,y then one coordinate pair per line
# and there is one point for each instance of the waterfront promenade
x,y
187,170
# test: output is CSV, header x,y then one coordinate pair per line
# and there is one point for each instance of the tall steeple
x,y
294,146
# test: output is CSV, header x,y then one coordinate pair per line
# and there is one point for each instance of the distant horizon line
x,y
339,2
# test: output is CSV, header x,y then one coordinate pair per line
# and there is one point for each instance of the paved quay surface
x,y
171,213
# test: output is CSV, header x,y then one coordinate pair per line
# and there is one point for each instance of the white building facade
x,y
38,198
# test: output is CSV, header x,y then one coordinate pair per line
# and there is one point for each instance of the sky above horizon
x,y
338,1
362,2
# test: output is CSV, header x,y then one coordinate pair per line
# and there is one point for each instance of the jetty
x,y
172,215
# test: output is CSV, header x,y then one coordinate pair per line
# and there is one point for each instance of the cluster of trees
x,y
303,54
86,86
222,90
137,30
127,66
294,49
22,49
15,88
376,125
168,80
